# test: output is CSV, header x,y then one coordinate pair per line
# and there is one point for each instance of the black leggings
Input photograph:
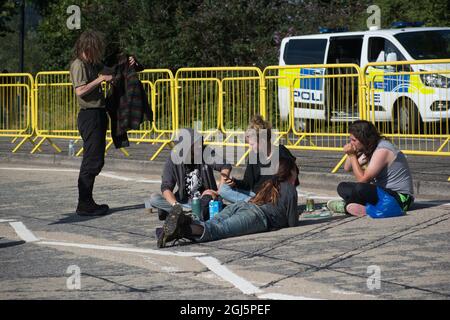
x,y
362,193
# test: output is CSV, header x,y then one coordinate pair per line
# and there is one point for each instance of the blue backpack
x,y
386,207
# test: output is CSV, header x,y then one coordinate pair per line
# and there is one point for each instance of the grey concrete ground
x,y
332,258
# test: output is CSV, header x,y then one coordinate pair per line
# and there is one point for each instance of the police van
x,y
320,93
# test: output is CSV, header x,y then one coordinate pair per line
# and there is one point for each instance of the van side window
x,y
345,50
305,51
379,48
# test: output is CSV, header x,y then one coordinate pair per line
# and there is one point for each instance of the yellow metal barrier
x,y
409,102
309,106
219,102
312,105
159,85
57,109
16,107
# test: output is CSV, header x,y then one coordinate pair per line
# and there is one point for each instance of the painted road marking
x,y
107,174
226,274
211,263
280,296
240,283
39,169
113,176
23,232
122,249
6,220
149,181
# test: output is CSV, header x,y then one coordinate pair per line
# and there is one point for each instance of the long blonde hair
x,y
92,44
258,124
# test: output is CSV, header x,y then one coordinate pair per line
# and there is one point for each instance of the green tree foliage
x,y
8,9
435,13
174,33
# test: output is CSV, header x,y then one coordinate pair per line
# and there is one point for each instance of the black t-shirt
x,y
193,180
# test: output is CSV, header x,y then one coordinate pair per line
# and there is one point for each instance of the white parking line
x,y
113,176
149,181
240,283
103,174
215,266
39,169
23,232
6,220
211,263
122,249
280,296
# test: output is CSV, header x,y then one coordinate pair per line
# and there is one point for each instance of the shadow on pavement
x,y
427,204
73,217
306,222
11,244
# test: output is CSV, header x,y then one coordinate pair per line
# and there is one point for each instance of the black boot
x,y
90,208
173,226
162,215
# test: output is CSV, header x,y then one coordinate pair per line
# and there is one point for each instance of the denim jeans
x,y
159,202
235,195
235,220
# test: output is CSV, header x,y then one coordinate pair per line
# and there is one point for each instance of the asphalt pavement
x,y
48,252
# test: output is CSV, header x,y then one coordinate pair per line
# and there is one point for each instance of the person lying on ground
x,y
273,207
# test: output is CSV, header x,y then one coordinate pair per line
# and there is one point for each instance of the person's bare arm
x,y
379,160
348,164
85,89
170,197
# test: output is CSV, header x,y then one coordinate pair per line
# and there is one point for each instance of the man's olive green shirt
x,y
82,73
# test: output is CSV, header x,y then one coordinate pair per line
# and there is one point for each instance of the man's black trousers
x,y
92,125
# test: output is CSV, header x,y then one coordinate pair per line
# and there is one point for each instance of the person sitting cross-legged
x,y
183,172
377,166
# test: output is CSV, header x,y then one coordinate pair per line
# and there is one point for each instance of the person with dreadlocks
x,y
273,207
375,163
87,74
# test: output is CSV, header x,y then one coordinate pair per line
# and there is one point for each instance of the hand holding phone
x,y
228,180
227,177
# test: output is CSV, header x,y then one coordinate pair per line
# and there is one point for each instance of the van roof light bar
x,y
332,30
404,24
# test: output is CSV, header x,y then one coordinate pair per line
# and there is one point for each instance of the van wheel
x,y
407,119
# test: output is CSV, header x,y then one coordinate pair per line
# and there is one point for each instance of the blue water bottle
x,y
215,206
212,209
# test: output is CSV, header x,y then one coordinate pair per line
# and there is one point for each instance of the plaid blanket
x,y
127,103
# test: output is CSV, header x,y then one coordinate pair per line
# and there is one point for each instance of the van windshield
x,y
423,45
